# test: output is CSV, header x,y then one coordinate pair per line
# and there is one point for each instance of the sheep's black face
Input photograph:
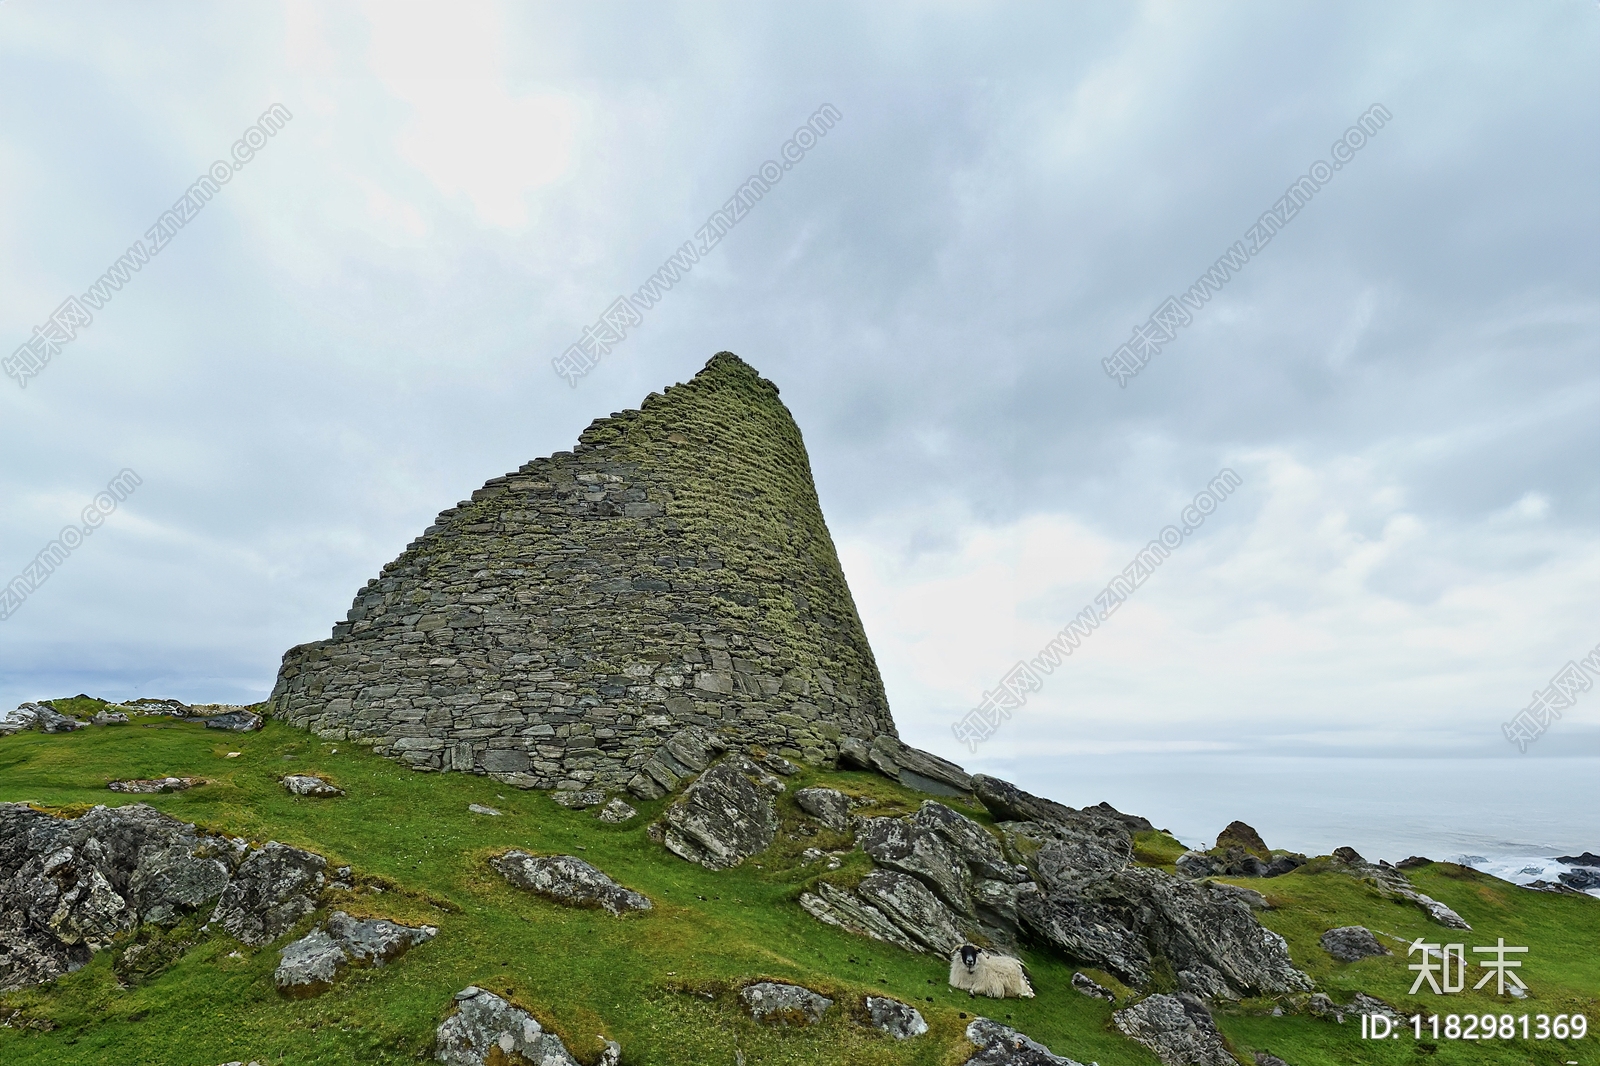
x,y
969,956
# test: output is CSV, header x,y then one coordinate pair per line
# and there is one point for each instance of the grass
x,y
662,984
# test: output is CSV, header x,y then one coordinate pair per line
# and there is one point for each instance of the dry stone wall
x,y
555,630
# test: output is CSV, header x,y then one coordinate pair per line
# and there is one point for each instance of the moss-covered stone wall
x,y
557,628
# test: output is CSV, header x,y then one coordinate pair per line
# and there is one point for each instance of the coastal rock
x,y
1198,864
1391,883
827,805
156,785
917,850
108,718
309,785
1008,803
272,889
900,1020
725,816
784,1004
1238,834
1178,1028
376,941
486,1029
569,881
1351,942
970,842
1000,1045
616,812
917,769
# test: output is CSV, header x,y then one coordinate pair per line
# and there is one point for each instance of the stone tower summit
x,y
564,625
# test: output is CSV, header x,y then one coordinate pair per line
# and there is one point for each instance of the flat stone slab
x,y
488,812
568,880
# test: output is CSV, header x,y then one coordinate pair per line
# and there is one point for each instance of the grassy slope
x,y
657,983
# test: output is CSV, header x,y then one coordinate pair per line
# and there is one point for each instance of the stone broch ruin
x,y
560,628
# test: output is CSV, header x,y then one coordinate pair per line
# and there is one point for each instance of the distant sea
x,y
1507,813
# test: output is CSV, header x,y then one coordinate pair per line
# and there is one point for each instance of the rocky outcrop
x,y
155,785
21,718
558,627
272,889
912,767
239,721
68,887
309,785
312,964
568,880
827,805
686,753
900,1020
727,815
910,907
1392,884
1000,1045
1349,943
485,1030
783,1004
1178,1028
843,909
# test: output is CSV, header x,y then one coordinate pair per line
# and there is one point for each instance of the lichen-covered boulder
x,y
485,1030
783,1004
272,889
900,1020
311,965
913,909
1001,1045
568,880
725,816
827,805
616,812
1178,1028
155,785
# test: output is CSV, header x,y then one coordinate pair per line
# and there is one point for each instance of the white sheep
x,y
982,973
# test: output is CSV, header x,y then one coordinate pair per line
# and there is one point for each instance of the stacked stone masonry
x,y
560,626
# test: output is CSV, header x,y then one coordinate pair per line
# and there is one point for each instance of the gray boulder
x,y
855,754
1008,803
900,1020
725,816
1178,1028
970,842
568,880
827,805
49,720
783,1004
842,909
309,785
312,964
616,812
913,849
1351,942
1198,864
1000,1045
15,721
779,765
273,889
486,1029
155,785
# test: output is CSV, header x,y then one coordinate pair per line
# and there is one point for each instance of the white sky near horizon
x,y
356,332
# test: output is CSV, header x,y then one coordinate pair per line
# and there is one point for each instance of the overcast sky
x,y
357,331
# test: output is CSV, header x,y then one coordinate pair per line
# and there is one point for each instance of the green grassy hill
x,y
661,984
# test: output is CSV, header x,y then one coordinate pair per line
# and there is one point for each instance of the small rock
x,y
827,805
1361,1003
233,755
568,880
1321,1006
1178,1028
1264,1059
575,800
486,1029
109,718
376,941
309,785
782,1004
900,1020
478,808
1090,987
310,965
616,812
811,855
1000,1045
1351,942
150,786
